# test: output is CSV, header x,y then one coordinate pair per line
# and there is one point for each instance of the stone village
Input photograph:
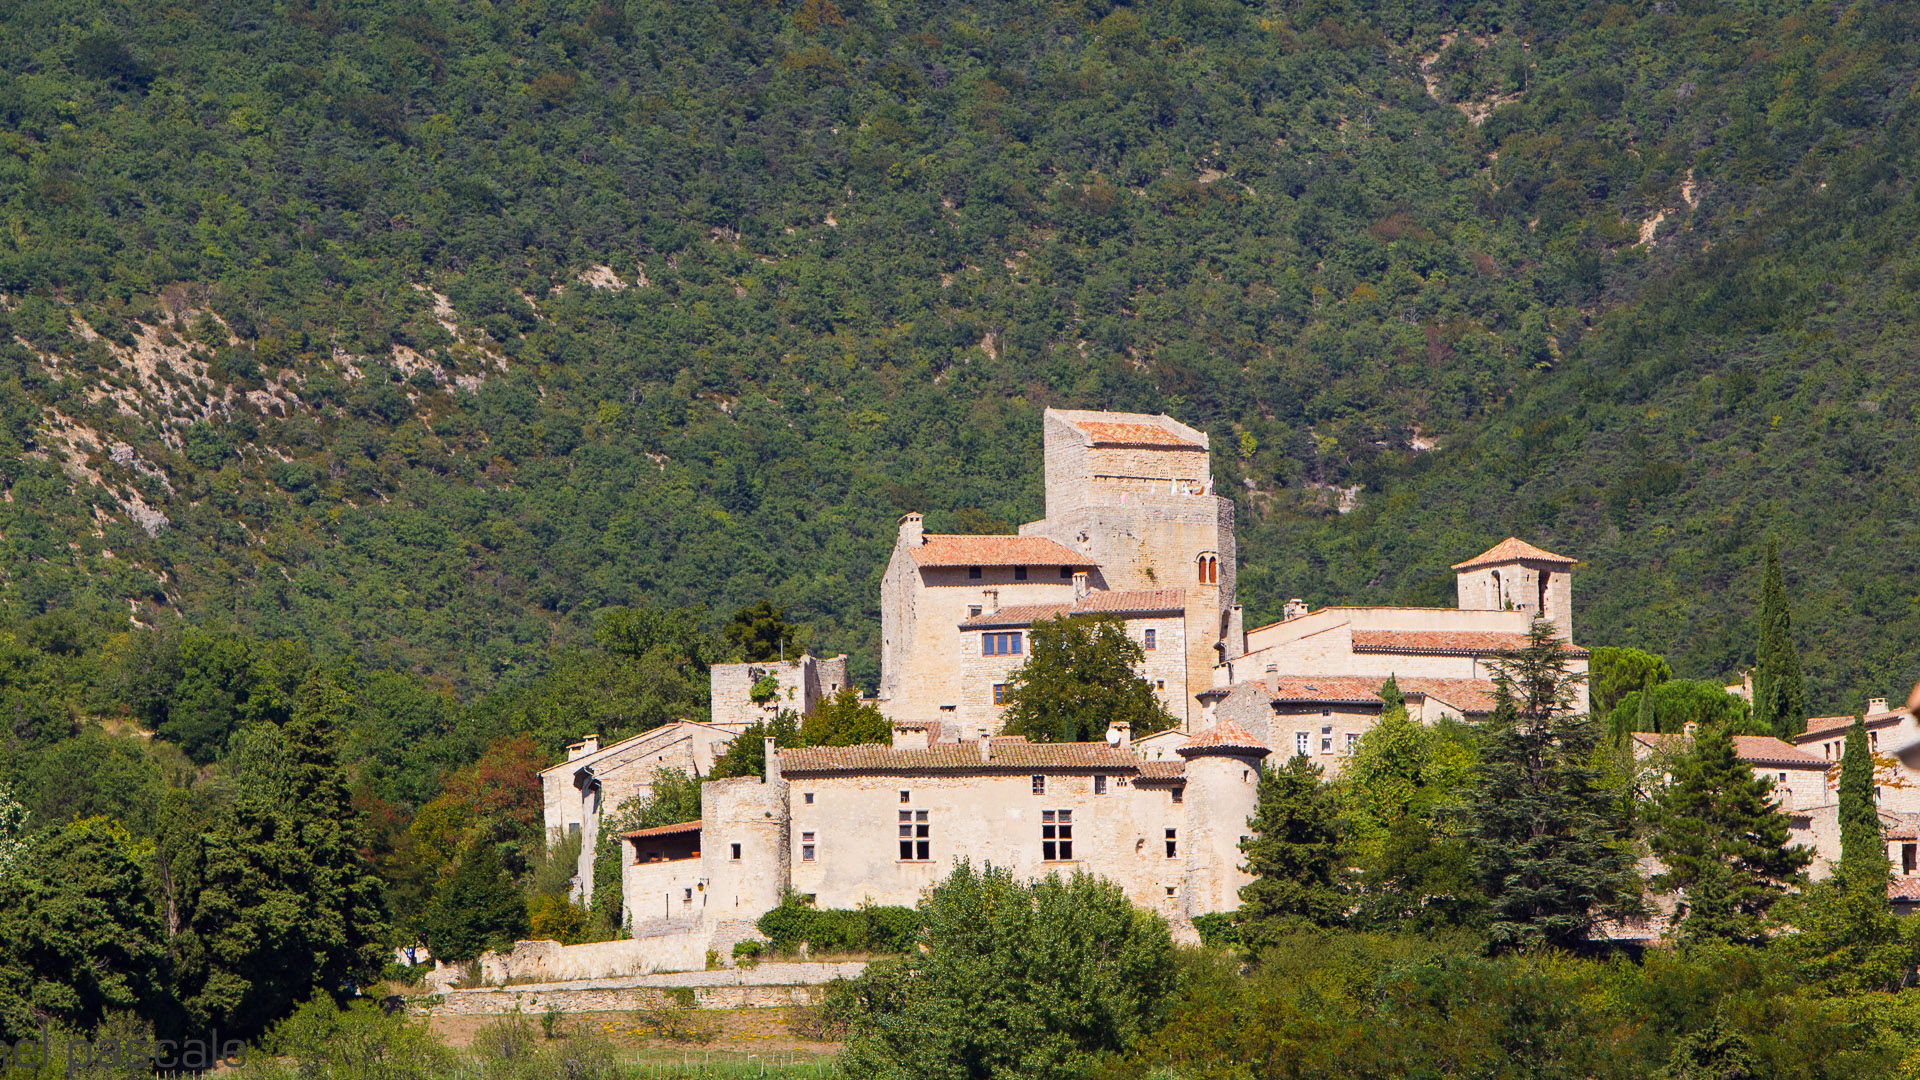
x,y
1133,530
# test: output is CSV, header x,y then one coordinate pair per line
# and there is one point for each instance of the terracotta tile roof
x,y
1904,888
1443,642
1101,602
1752,749
1512,549
664,830
1467,695
1111,433
1162,770
1010,756
1822,725
1224,737
1334,690
1908,831
945,549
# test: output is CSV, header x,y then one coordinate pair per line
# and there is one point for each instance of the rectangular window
x,y
736,853
1099,785
1001,644
1150,640
1326,744
906,796
973,571
1056,835
1039,785
1909,858
806,847
1159,684
1351,740
972,610
915,842
808,797
1019,573
1066,571
1173,844
999,693
688,898
1300,742
1179,794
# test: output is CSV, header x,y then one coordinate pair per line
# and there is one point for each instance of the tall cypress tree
x,y
1548,839
1779,696
1863,847
1293,854
1723,841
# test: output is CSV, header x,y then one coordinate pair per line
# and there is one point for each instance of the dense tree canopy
x,y
1080,676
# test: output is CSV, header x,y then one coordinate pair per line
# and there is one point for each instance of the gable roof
x,y
1467,695
1103,602
1444,642
1827,725
635,745
1752,749
1010,756
1513,549
946,549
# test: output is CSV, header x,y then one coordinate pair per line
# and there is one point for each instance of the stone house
x,y
1132,529
596,781
850,825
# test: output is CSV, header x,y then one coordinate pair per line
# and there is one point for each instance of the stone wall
x,y
743,845
681,950
803,682
765,986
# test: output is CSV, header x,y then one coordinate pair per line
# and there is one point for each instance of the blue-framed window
x,y
1000,643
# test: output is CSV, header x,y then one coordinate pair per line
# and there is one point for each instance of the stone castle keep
x,y
1133,530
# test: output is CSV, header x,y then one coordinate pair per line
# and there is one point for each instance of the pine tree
x,y
1293,854
287,905
1549,842
1723,841
1863,846
1779,696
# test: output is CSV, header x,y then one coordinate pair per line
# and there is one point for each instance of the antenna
x,y
1113,736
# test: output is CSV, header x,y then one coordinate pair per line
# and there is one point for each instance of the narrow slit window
x,y
806,847
736,853
1173,844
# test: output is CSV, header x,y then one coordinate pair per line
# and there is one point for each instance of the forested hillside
x,y
422,332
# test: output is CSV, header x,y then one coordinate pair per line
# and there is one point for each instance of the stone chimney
x,y
1295,608
986,749
1689,728
911,533
1079,584
773,760
587,745
1876,705
1273,678
990,600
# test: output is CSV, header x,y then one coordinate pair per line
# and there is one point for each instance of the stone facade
x,y
1130,505
798,684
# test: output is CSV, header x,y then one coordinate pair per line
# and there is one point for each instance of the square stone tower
x,y
1134,492
1514,575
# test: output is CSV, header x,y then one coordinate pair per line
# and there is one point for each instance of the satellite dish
x,y
1113,736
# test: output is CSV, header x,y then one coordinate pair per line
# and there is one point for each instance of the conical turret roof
x,y
1225,739
1512,549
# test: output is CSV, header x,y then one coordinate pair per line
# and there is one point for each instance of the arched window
x,y
1499,598
1541,611
1209,570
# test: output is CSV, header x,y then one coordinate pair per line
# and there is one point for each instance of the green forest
x,y
392,391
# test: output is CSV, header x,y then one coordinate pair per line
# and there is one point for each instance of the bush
x,y
869,928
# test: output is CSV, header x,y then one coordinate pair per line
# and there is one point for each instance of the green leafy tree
x,y
1722,841
1398,768
843,719
1676,704
1023,980
1549,840
13,829
746,755
760,632
1863,845
1716,1052
79,936
1080,675
286,905
1614,672
1292,851
475,909
1779,695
